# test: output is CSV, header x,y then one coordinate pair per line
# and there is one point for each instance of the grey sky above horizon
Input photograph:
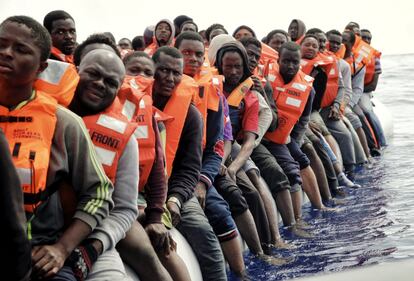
x,y
388,20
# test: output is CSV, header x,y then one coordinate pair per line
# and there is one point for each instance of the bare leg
x,y
269,204
137,251
175,266
297,203
247,228
285,207
319,171
233,253
310,186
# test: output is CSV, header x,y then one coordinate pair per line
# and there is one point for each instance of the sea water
x,y
376,222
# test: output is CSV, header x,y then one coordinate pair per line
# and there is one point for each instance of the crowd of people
x,y
107,146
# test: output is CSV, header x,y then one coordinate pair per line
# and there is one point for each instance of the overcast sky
x,y
391,22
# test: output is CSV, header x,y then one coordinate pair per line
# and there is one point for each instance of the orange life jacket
x,y
59,80
61,56
110,132
268,58
137,107
208,97
237,95
290,101
29,131
174,114
370,70
330,65
362,51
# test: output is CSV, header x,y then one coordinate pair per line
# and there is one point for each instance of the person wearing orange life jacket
x,y
370,84
358,73
232,63
164,33
137,241
172,95
325,117
293,95
101,74
208,102
135,95
296,30
270,170
54,147
61,27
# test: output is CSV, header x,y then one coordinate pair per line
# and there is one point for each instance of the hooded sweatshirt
x,y
150,50
301,30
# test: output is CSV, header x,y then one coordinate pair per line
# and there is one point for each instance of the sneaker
x,y
344,181
338,192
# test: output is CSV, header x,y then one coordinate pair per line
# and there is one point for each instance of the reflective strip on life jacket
x,y
137,107
59,80
110,132
29,131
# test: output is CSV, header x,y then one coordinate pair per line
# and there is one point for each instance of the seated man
x,y
101,75
172,95
54,147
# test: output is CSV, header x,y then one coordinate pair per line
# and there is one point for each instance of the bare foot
x,y
281,244
275,260
300,232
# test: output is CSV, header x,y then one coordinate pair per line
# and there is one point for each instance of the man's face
x,y
19,56
140,66
193,53
293,30
242,33
322,41
276,41
100,79
232,67
309,48
63,35
253,53
346,40
163,32
366,36
289,63
124,44
168,74
334,42
189,26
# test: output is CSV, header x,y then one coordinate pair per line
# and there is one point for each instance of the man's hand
x,y
160,237
223,170
232,171
257,86
334,113
48,260
200,193
175,212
